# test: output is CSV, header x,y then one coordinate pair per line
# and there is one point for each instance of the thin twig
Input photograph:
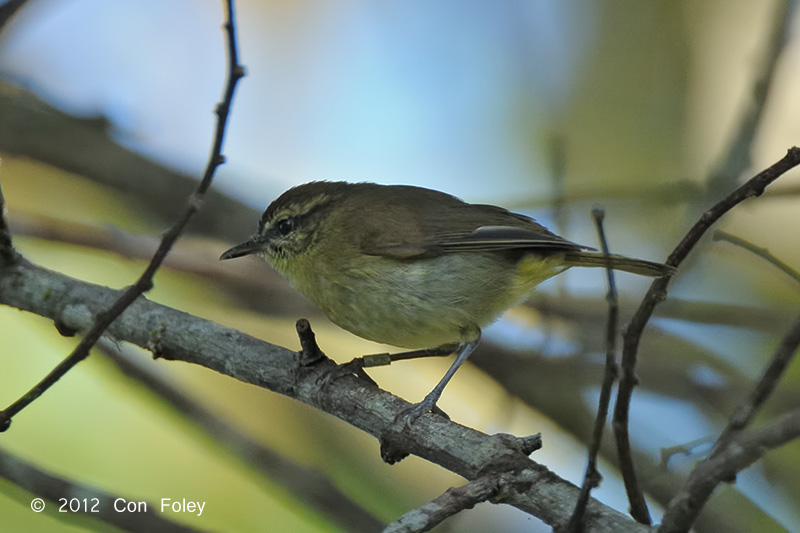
x,y
656,294
745,449
685,448
592,477
145,282
763,253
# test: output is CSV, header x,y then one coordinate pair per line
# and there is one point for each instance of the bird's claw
x,y
391,439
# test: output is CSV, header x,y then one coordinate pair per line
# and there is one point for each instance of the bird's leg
x,y
428,403
357,365
392,447
383,359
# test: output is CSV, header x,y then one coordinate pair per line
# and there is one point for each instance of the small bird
x,y
413,267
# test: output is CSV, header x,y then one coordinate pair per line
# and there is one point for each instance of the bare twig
x,y
657,293
306,483
763,253
592,478
145,282
452,502
744,449
102,505
685,448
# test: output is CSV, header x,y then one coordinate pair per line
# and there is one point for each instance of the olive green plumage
x,y
408,266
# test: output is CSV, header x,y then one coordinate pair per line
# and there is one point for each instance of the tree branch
x,y
540,381
174,335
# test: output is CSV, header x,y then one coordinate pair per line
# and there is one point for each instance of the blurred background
x,y
651,110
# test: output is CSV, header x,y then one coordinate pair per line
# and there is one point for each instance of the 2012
x,y
75,505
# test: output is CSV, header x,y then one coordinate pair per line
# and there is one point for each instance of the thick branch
x,y
175,335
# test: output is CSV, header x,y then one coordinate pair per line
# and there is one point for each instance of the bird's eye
x,y
285,226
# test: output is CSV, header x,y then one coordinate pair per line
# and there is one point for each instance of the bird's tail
x,y
618,262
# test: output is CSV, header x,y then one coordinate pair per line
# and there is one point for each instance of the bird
x,y
413,267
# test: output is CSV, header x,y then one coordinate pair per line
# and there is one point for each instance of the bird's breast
x,y
420,303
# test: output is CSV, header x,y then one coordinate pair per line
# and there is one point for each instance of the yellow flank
x,y
531,271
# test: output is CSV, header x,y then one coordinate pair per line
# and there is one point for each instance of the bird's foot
x,y
393,438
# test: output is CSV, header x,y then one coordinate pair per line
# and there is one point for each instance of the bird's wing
x,y
487,238
482,239
429,226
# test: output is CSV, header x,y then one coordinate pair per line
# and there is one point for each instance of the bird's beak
x,y
248,247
